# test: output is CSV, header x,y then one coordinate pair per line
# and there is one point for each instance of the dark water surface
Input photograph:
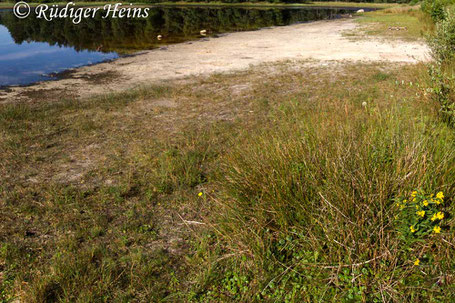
x,y
33,49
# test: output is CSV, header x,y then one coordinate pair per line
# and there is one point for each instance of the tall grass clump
x,y
309,207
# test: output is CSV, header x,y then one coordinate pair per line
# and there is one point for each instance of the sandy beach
x,y
321,41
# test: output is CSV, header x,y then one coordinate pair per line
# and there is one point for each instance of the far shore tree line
x,y
173,24
238,1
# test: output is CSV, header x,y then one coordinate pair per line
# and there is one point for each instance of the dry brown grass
x,y
99,196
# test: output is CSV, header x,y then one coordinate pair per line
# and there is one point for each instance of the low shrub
x,y
435,8
442,45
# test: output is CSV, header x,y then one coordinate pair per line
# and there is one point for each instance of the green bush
x,y
435,8
442,45
443,93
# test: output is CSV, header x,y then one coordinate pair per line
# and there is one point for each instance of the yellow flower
x,y
413,194
440,195
417,262
413,230
434,217
421,213
440,215
199,194
425,203
404,201
437,229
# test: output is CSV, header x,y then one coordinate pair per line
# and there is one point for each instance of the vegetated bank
x,y
294,182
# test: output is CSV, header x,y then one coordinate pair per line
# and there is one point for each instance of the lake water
x,y
34,50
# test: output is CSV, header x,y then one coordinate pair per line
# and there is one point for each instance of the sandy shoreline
x,y
322,40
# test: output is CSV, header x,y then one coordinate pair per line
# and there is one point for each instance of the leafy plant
x,y
443,93
420,215
442,46
435,8
235,284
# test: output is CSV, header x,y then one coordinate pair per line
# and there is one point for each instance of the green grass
x,y
306,207
101,196
413,24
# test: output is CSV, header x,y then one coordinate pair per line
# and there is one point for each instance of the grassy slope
x,y
306,203
99,200
101,197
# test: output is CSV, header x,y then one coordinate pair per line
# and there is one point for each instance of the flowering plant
x,y
420,215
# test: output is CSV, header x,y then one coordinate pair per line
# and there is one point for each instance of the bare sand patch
x,y
322,41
